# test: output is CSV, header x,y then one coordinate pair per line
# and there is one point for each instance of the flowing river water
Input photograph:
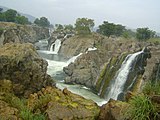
x,y
55,69
57,62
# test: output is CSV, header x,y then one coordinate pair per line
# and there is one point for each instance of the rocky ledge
x,y
21,64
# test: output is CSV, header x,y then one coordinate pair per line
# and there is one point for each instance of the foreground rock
x,y
21,64
54,103
23,73
63,105
11,32
114,110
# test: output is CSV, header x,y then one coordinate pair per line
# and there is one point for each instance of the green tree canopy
x,y
69,27
2,17
83,26
129,34
43,22
59,27
143,34
109,29
10,15
21,20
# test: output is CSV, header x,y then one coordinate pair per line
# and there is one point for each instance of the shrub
x,y
141,108
152,88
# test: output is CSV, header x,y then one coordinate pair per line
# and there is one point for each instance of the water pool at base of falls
x,y
55,69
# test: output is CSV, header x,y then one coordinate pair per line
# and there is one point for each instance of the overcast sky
x,y
131,13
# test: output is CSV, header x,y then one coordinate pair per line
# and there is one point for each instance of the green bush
x,y
28,115
141,108
152,88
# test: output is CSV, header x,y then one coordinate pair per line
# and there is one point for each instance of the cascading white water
x,y
91,49
73,58
120,79
56,45
56,68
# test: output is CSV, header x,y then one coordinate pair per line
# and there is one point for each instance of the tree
x,y
21,20
2,17
10,15
143,34
43,22
59,27
119,29
129,34
83,26
37,22
69,27
109,29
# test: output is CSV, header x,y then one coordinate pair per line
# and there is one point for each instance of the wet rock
x,y
21,64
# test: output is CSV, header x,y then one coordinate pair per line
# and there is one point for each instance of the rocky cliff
x,y
11,32
95,69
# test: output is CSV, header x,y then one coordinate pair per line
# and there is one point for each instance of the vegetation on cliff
x,y
146,105
43,22
83,26
12,16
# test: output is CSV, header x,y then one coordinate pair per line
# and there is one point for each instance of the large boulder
x,y
21,64
63,105
75,45
11,32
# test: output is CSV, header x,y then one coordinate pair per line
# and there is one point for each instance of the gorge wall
x,y
95,69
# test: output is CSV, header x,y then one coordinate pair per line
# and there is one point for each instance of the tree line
x,y
13,16
83,26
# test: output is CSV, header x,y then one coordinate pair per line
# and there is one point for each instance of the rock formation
x,y
21,64
11,32
95,69
64,105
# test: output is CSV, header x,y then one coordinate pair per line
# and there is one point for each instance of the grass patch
x,y
21,104
152,88
141,108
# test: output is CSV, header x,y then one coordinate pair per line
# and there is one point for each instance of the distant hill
x,y
30,17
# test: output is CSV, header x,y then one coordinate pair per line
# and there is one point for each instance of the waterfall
x,y
55,46
73,58
117,86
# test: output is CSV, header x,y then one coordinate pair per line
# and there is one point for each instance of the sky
x,y
131,13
